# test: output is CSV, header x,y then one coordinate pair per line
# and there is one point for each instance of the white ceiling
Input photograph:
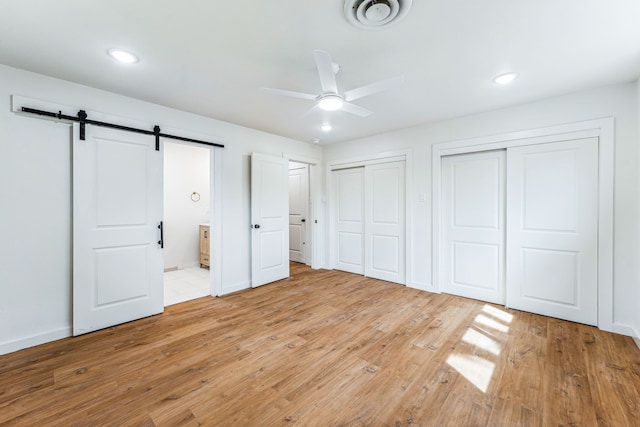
x,y
210,57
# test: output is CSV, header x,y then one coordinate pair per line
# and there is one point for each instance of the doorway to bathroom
x,y
187,232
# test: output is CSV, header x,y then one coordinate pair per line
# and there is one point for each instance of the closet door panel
x,y
385,221
473,234
349,220
552,205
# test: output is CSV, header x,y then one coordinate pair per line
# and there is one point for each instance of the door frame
x,y
306,259
215,211
215,204
371,159
603,129
316,201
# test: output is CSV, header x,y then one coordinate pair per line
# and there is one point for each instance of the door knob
x,y
303,220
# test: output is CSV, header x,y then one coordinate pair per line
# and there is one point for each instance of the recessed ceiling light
x,y
326,127
330,102
506,78
122,56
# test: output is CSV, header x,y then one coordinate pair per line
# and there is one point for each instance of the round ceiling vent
x,y
375,14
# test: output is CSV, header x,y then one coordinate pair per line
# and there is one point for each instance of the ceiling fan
x,y
331,99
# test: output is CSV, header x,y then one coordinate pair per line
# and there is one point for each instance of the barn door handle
x,y
161,241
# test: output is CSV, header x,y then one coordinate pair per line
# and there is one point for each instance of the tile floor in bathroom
x,y
185,284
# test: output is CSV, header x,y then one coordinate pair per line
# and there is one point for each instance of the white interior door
x,y
298,211
269,219
117,208
385,221
349,220
552,229
473,230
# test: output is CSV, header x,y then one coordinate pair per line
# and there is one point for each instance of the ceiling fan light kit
x,y
330,102
375,14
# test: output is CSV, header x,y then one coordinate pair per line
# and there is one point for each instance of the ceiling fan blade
x,y
325,71
289,93
311,111
354,109
372,88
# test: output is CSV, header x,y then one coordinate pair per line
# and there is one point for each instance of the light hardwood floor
x,y
328,348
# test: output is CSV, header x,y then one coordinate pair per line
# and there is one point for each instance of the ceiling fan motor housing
x,y
375,14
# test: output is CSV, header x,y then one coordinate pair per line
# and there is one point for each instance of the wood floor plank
x,y
524,385
328,348
567,392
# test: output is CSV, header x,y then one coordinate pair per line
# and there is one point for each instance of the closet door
x,y
473,230
552,229
385,221
349,220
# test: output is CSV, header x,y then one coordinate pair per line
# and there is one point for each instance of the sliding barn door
x,y
117,208
552,229
349,220
385,221
473,230
269,219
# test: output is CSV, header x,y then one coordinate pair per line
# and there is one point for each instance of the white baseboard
x,y
636,337
235,288
22,343
622,329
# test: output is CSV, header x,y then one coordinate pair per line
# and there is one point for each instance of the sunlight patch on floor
x,y
479,339
494,324
482,336
497,313
477,370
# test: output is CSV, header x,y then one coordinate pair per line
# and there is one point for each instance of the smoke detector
x,y
375,14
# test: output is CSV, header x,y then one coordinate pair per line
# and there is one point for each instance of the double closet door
x,y
369,220
520,228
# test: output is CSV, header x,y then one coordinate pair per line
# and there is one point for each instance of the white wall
x,y
619,101
35,199
186,170
635,301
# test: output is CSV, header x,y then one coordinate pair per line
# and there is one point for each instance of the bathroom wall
x,y
635,300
